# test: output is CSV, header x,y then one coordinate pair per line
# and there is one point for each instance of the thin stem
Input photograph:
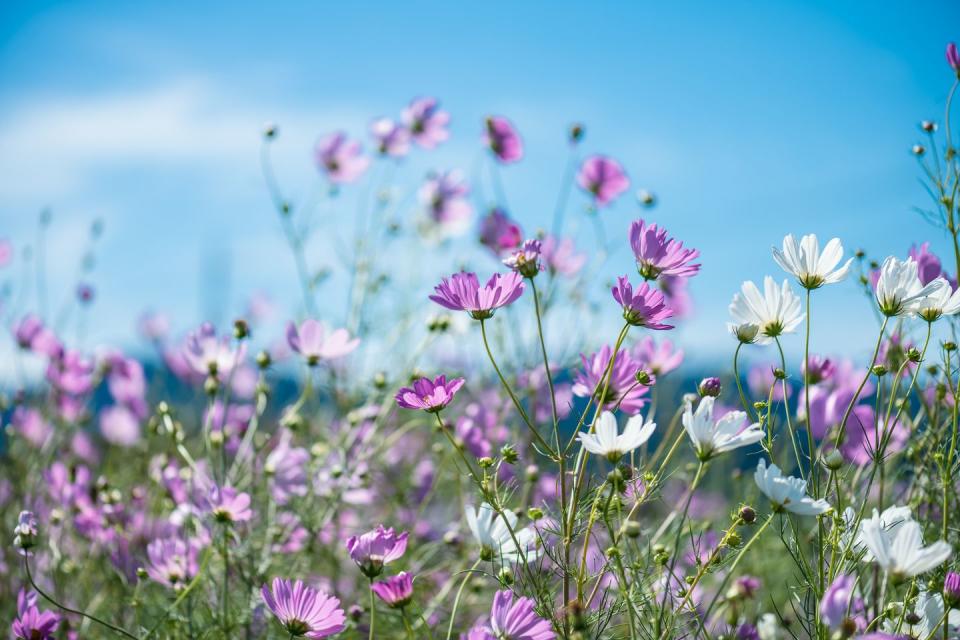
x,y
373,611
856,396
456,600
736,561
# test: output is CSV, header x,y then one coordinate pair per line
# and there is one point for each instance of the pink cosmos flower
x,y
153,326
840,603
604,178
644,308
30,333
429,395
426,122
71,373
817,369
340,158
6,252
517,620
500,233
462,292
119,426
286,466
929,267
374,549
864,434
310,341
502,139
172,562
953,57
31,623
396,591
392,138
30,424
525,260
445,197
229,505
659,255
659,358
303,611
678,298
623,388
208,355
560,256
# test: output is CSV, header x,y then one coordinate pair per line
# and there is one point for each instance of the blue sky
x,y
748,120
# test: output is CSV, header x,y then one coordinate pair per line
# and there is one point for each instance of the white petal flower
x,y
899,290
812,268
903,555
929,614
710,438
786,492
769,628
776,311
889,521
745,332
940,300
606,442
494,537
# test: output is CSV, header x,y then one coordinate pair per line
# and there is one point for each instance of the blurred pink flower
x,y
119,426
312,342
426,122
658,358
445,197
560,256
500,233
340,158
604,178
391,138
502,139
623,388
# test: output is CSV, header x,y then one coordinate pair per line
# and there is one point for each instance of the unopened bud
x,y
709,387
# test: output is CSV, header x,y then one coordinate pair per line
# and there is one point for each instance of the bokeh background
x,y
747,120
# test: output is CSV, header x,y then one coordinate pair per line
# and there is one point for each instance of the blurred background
x,y
747,120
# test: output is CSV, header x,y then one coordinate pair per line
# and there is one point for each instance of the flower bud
x,y
241,329
505,576
509,454
532,473
211,385
485,462
644,377
879,370
534,513
832,460
25,533
918,150
747,514
779,374
646,198
576,132
263,359
270,131
928,126
914,355
632,529
951,589
709,387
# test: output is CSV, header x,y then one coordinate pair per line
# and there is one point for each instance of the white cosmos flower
x,y
710,438
812,268
899,289
605,442
902,555
768,627
888,521
493,535
929,612
776,311
940,300
787,492
745,332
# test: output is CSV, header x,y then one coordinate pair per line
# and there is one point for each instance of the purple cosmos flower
x,y
311,341
657,255
31,623
208,355
951,589
286,468
604,178
392,138
644,308
71,373
30,333
526,259
119,426
303,612
953,57
817,369
6,252
445,197
430,395
839,599
372,550
929,267
623,389
462,292
511,620
30,424
340,158
396,591
500,233
709,387
560,256
229,505
172,561
747,586
659,358
426,121
503,139
153,326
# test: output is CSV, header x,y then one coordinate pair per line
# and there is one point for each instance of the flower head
x,y
623,390
898,287
444,195
502,139
229,505
953,57
560,256
951,588
940,300
500,233
206,354
426,122
303,611
612,446
314,344
511,620
812,268
657,255
25,533
462,292
902,554
710,387
525,260
492,531
172,561
657,357
928,264
392,138
644,308
376,548
396,591
839,601
774,312
340,158
430,395
603,178
710,437
786,492
31,623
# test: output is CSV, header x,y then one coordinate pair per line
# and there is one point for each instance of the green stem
x,y
856,396
456,600
373,611
736,561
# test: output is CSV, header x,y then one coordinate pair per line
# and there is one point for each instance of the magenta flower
x,y
430,395
392,138
604,178
462,292
500,233
396,591
311,341
951,589
929,267
561,257
445,197
503,139
658,255
31,623
623,389
340,158
172,562
525,260
511,620
840,603
953,57
229,505
119,426
372,550
644,308
303,612
286,466
426,121
658,358
30,424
